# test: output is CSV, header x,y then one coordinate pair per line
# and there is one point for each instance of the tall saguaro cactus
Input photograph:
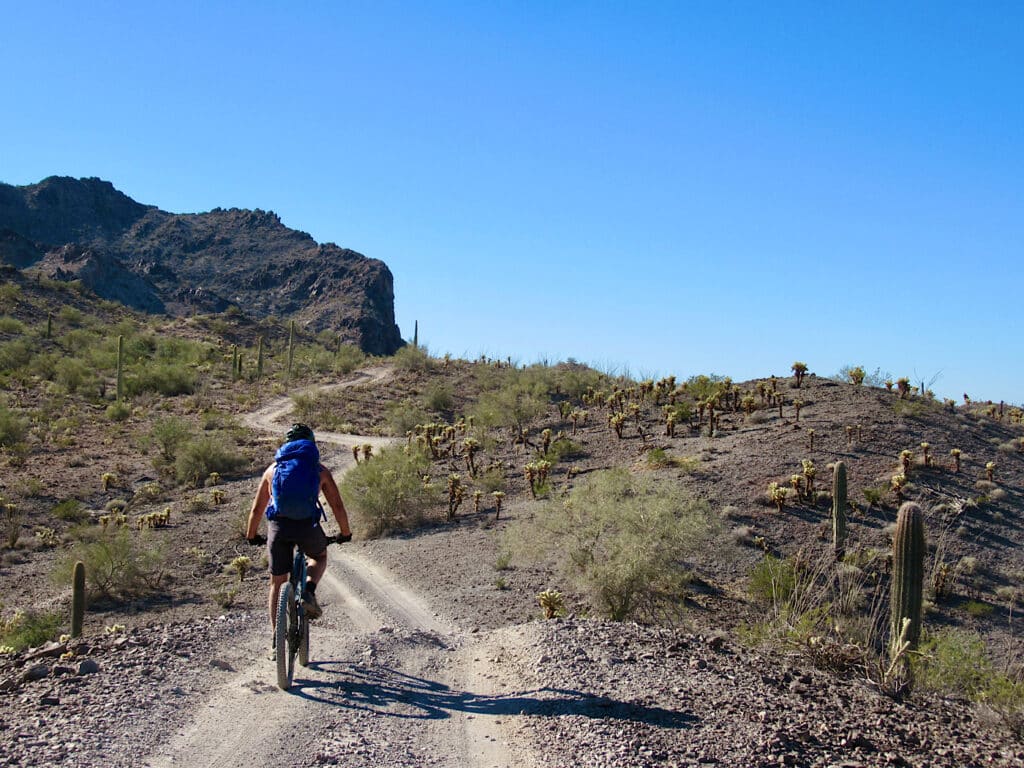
x,y
908,550
839,509
120,368
78,599
259,358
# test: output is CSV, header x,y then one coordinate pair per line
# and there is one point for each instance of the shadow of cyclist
x,y
390,693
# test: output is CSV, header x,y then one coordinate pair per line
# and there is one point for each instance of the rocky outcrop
x,y
203,262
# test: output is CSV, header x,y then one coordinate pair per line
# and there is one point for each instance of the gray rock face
x,y
158,262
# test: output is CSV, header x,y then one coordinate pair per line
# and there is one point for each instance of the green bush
x,y
167,379
623,541
72,374
773,581
402,417
516,403
210,453
11,325
410,358
438,397
71,511
388,494
348,358
118,411
14,354
28,630
119,563
13,427
169,433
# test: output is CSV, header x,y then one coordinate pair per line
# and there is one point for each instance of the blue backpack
x,y
295,489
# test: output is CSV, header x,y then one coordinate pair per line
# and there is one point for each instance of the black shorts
x,y
284,534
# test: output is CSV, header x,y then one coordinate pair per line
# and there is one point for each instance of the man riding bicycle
x,y
289,497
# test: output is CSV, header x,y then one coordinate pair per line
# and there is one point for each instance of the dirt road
x,y
391,682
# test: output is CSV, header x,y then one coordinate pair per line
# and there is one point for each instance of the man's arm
x,y
259,503
333,496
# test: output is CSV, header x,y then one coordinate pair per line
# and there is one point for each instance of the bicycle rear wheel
x,y
282,632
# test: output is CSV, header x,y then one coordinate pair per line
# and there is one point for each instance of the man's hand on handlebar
x,y
257,541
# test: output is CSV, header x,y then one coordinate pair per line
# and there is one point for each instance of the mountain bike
x,y
291,633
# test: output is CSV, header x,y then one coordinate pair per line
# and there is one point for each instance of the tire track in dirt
x,y
389,683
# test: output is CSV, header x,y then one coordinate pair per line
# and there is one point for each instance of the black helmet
x,y
299,432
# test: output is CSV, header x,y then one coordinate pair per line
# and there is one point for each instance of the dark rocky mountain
x,y
160,262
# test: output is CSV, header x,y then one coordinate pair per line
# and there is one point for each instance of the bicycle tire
x,y
304,641
285,657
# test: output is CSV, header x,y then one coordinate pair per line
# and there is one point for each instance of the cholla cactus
x,y
616,420
990,471
108,479
797,405
903,387
777,495
925,458
956,453
471,446
796,482
809,474
456,493
477,495
552,603
240,565
849,436
888,384
799,371
355,453
856,375
367,452
906,458
499,496
545,440
897,482
670,424
810,440
218,496
213,479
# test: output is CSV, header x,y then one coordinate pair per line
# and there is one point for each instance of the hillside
x,y
718,665
160,262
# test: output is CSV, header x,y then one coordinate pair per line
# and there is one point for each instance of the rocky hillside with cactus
x,y
160,262
799,569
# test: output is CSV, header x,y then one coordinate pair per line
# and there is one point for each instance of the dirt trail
x,y
389,684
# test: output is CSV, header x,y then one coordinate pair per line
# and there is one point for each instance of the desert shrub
x,y
72,374
210,453
410,358
167,379
169,433
29,629
402,417
773,581
575,381
12,427
71,511
563,448
388,494
623,541
438,397
119,563
11,325
518,401
14,355
348,358
118,411
702,387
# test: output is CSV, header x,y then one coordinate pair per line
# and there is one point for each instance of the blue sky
x,y
653,187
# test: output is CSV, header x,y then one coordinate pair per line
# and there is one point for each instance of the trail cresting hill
x,y
155,261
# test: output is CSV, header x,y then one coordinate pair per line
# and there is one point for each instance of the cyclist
x,y
290,523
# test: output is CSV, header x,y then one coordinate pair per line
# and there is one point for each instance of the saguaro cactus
x,y
120,368
908,549
259,358
839,509
78,599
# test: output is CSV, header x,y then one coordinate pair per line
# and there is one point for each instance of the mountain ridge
x,y
179,264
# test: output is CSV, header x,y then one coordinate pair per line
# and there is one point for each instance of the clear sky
x,y
677,187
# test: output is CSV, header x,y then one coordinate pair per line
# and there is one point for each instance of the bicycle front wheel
x,y
304,641
282,632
